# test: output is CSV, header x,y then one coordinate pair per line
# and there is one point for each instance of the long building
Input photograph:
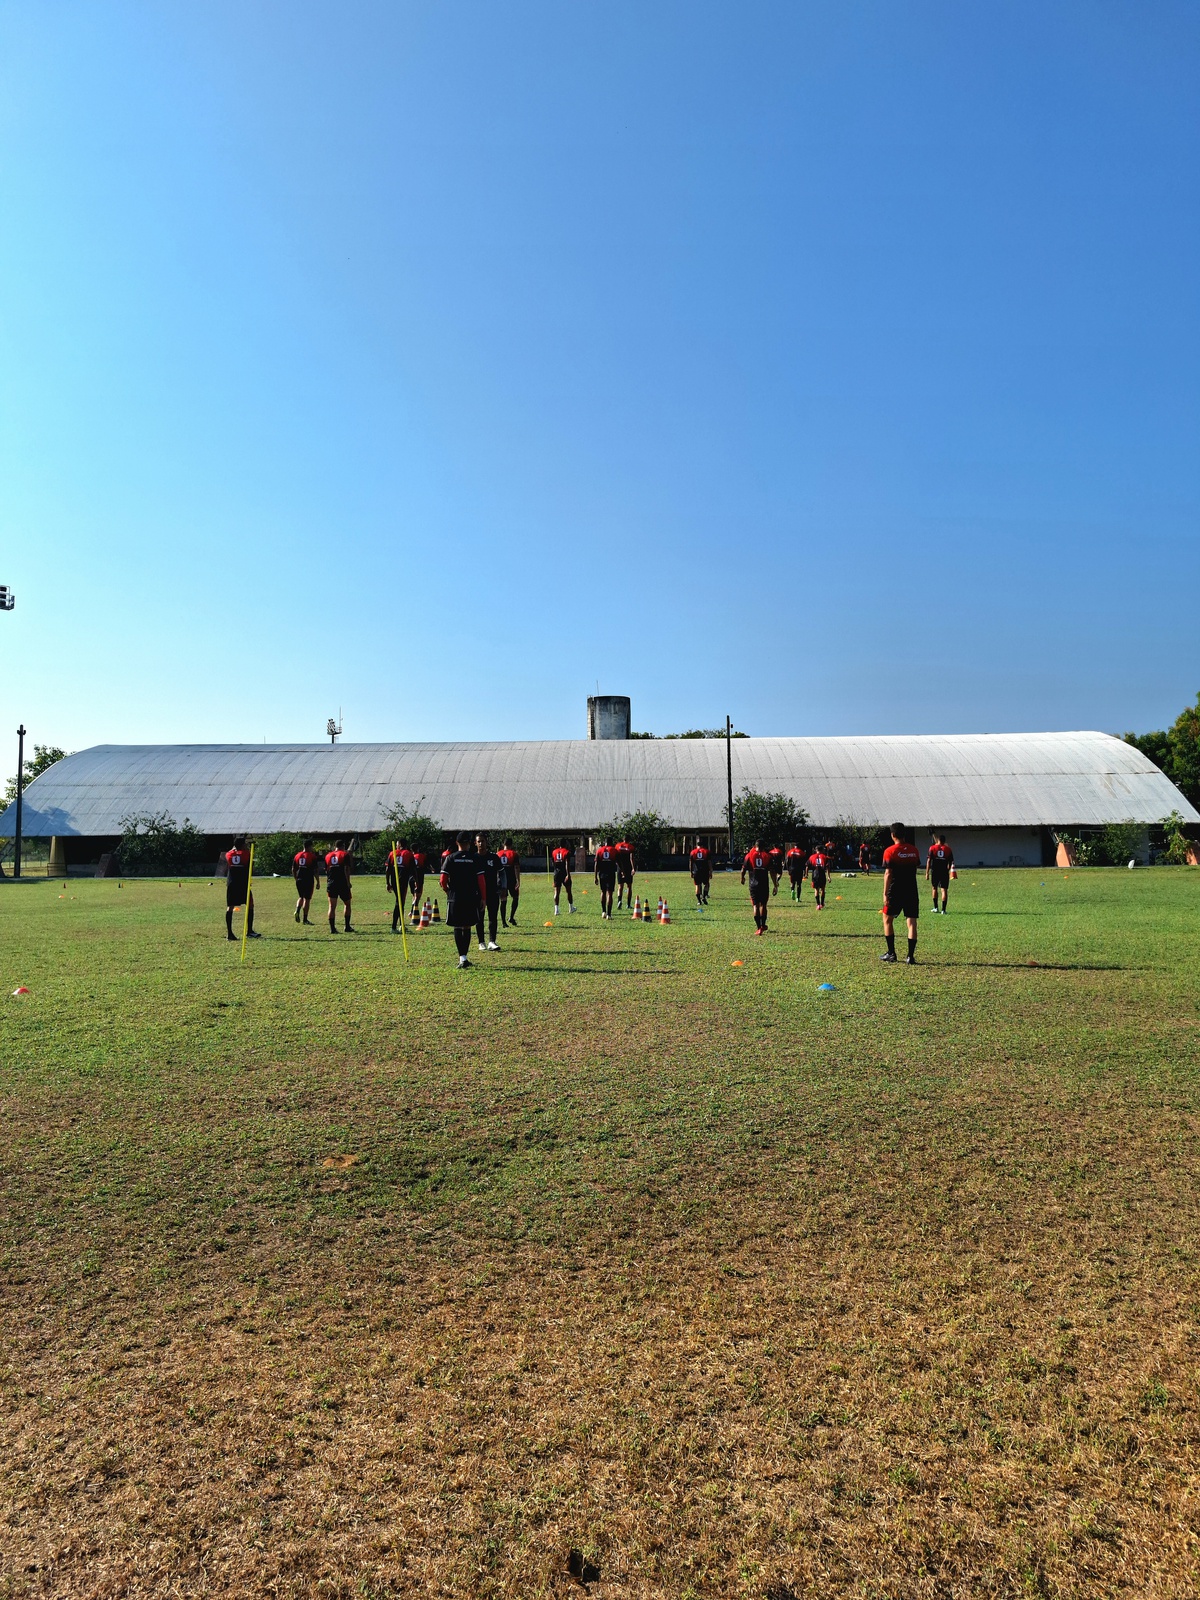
x,y
1000,796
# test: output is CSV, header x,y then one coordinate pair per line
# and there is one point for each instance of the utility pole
x,y
729,782
20,786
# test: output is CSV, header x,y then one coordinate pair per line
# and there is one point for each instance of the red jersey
x,y
624,853
509,858
606,856
238,862
699,857
403,856
757,861
305,861
794,858
420,860
903,859
562,858
337,866
939,852
818,861
776,855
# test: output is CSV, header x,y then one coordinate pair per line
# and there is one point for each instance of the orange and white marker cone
x,y
664,916
637,910
426,915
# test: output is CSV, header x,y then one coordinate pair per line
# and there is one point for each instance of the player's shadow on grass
x,y
607,972
1038,966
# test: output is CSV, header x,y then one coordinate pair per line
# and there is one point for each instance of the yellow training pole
x,y
547,860
396,886
246,916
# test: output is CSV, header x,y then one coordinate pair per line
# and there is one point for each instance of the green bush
x,y
1176,843
154,844
417,828
772,818
1120,842
273,852
644,830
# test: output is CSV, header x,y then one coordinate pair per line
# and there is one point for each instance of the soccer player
x,y
465,890
757,864
605,875
794,862
337,882
420,866
398,876
938,863
561,860
510,883
625,872
488,864
901,896
818,871
306,869
237,888
700,860
864,859
776,868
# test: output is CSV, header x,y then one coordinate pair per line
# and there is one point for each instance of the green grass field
x,y
606,1264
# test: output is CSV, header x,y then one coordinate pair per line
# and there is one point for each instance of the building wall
x,y
989,847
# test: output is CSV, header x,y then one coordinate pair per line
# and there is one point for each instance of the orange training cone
x,y
426,915
637,910
664,915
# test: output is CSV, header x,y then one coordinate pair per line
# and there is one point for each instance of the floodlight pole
x,y
20,786
729,781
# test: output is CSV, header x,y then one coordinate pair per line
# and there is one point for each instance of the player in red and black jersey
x,y
901,896
793,861
605,874
561,859
420,866
864,859
398,877
700,862
939,863
818,871
306,869
776,869
757,866
510,883
237,888
337,882
625,872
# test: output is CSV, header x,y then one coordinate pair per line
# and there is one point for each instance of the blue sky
x,y
835,366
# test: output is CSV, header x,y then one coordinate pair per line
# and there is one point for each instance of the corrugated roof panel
x,y
973,780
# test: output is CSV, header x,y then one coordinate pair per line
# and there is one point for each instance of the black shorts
x,y
905,902
796,875
625,877
607,880
236,891
939,877
819,879
561,876
338,891
305,884
701,875
760,885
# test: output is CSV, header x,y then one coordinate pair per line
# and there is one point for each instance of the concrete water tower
x,y
608,716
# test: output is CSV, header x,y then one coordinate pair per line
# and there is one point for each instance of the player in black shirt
x,y
488,863
465,890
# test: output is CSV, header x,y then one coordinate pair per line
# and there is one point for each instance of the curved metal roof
x,y
965,781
